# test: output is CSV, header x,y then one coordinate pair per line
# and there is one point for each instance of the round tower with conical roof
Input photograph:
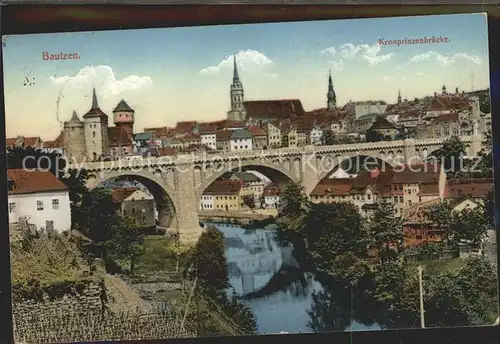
x,y
123,117
74,139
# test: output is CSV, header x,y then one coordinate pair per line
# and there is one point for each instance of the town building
x,y
226,195
253,185
208,136
271,195
383,127
40,197
25,142
259,137
274,139
476,189
240,140
259,111
223,138
363,123
135,204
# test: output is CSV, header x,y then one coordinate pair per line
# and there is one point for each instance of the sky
x,y
175,74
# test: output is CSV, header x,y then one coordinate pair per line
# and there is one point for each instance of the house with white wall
x,y
41,197
207,203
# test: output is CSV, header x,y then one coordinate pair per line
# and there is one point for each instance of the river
x,y
254,257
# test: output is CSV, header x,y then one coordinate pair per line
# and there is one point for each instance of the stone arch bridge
x,y
178,182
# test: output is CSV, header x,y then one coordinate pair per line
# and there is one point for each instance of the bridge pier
x,y
188,223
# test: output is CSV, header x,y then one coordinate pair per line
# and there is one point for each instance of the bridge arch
x,y
273,170
163,195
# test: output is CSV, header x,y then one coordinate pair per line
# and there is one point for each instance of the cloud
x,y
446,60
244,59
420,74
104,78
348,51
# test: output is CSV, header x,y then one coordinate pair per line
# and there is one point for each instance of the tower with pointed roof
x,y
330,96
237,96
123,117
96,131
74,139
443,89
399,97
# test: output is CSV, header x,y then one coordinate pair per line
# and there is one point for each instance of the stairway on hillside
x,y
122,297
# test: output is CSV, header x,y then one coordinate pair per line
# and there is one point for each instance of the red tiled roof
x,y
190,137
325,115
381,124
12,141
166,151
429,189
224,187
257,131
185,127
223,135
271,190
162,132
448,102
31,141
277,109
118,195
95,113
26,182
417,173
333,187
452,117
118,136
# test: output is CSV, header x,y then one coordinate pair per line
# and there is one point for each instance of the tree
x,y
485,165
489,207
332,230
209,262
291,216
386,231
126,241
469,225
396,295
293,200
240,313
328,138
249,201
440,216
374,136
451,156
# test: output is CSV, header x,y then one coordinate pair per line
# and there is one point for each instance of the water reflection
x,y
281,295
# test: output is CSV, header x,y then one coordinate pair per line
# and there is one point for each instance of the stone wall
x,y
84,317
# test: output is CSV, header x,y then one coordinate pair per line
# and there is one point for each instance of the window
x,y
133,210
401,188
401,199
55,204
93,134
12,207
39,205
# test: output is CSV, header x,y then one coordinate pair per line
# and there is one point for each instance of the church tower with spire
x,y
237,111
399,97
330,96
96,131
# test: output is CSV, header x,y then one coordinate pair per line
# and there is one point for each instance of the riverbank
x,y
249,219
